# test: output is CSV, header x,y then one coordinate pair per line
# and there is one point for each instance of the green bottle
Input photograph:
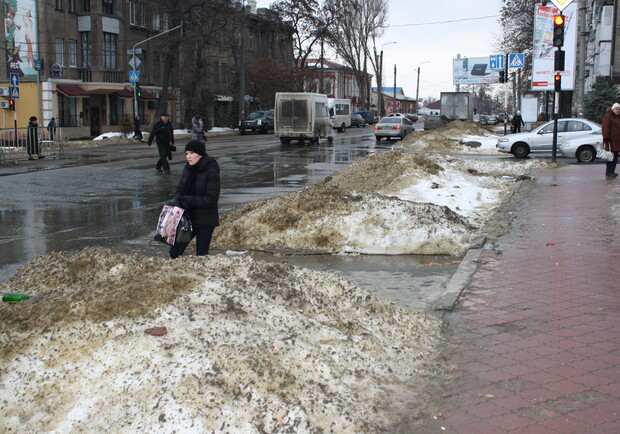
x,y
14,297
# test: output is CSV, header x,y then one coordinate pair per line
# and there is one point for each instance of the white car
x,y
583,148
541,139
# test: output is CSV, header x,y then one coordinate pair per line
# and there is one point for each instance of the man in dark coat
x,y
163,133
33,139
517,122
198,193
137,132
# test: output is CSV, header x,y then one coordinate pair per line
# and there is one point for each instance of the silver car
x,y
393,127
541,139
583,148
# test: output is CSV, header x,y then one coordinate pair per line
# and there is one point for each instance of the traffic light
x,y
138,90
559,60
11,104
557,82
502,77
558,30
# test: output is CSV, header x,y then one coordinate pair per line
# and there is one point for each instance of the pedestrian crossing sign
x,y
134,76
14,92
516,60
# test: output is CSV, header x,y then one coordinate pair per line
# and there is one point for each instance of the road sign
x,y
14,79
561,4
496,61
134,62
14,92
516,60
134,76
138,51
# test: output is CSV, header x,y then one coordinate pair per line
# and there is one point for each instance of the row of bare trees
x,y
346,29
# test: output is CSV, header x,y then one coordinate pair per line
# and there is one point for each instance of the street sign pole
x,y
133,64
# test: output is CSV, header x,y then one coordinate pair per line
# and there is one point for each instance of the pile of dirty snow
x,y
248,346
392,203
456,137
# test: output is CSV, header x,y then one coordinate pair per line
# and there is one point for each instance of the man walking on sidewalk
x,y
163,133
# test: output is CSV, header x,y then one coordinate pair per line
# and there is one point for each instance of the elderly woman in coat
x,y
611,138
198,129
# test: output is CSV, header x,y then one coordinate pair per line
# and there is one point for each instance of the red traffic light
x,y
557,80
558,20
558,30
11,104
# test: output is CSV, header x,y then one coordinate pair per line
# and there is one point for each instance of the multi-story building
x,y
74,61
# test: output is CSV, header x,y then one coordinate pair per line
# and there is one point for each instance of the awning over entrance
x,y
147,96
72,90
125,93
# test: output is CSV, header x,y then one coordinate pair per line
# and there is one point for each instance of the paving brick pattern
x,y
537,331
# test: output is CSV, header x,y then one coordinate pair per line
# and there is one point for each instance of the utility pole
x,y
394,104
242,65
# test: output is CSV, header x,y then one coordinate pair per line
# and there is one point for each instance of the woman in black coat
x,y
198,193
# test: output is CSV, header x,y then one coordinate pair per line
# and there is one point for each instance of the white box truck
x,y
340,113
302,116
457,105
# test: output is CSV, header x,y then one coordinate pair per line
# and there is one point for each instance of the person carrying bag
x,y
198,193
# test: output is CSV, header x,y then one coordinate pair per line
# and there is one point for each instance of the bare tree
x,y
354,21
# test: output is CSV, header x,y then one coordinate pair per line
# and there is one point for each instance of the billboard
x,y
543,54
20,24
473,70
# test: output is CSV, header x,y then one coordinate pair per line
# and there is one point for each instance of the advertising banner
x,y
543,55
473,70
20,25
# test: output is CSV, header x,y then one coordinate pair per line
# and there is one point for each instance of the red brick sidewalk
x,y
537,331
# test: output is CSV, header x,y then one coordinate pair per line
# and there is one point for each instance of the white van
x,y
340,113
302,116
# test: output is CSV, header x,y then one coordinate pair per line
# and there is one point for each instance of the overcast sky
x,y
419,40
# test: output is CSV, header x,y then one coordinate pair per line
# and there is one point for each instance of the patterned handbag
x,y
173,226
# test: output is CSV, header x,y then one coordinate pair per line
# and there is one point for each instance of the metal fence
x,y
14,144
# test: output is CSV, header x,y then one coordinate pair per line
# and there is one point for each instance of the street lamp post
x,y
417,87
380,79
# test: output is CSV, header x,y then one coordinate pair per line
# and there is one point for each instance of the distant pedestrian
x,y
33,146
137,132
163,133
611,138
51,129
198,129
198,193
517,122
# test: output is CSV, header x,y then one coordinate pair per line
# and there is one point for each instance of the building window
x,y
67,111
142,15
132,13
60,51
156,21
72,48
166,22
71,5
116,110
109,51
85,5
58,5
87,50
108,7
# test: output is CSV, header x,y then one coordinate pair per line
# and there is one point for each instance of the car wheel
x,y
520,150
586,154
342,128
284,141
242,131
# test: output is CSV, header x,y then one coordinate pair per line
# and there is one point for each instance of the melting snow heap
x,y
250,347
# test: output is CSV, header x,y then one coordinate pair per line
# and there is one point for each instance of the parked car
x,y
394,126
488,120
583,148
261,121
368,116
503,116
541,139
412,117
357,120
432,122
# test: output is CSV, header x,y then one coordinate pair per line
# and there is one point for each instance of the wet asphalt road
x,y
112,198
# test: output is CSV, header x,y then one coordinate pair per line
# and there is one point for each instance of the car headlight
x,y
259,122
503,140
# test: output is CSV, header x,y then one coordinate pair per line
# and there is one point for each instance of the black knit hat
x,y
196,146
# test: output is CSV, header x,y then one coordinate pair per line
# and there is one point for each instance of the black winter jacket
x,y
163,133
202,205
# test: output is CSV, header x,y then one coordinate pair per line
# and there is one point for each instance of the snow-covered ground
x,y
251,346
